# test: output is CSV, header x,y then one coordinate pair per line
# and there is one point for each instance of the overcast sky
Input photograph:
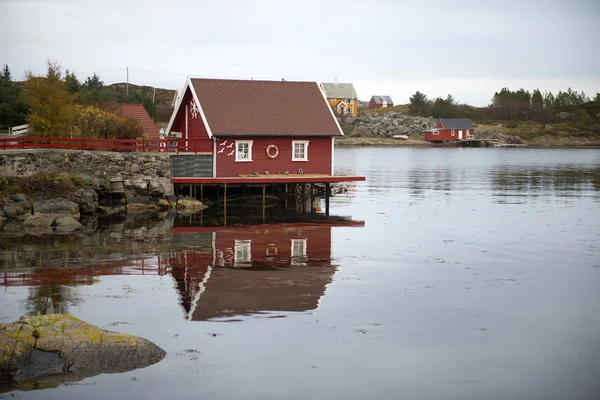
x,y
470,48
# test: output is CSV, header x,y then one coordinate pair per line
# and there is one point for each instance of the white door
x,y
460,135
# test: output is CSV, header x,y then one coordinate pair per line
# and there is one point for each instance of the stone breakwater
x,y
386,125
120,183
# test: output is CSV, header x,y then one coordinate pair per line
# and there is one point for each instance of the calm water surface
x,y
463,274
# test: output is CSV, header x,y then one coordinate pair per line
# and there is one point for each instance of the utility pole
x,y
153,94
127,81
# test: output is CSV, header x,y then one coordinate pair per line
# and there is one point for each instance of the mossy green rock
x,y
39,351
189,203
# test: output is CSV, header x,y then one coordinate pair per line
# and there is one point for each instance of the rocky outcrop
x,y
18,207
386,125
87,200
58,207
47,347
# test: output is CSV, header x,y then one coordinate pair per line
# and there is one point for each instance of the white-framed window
x,y
299,150
298,251
242,252
436,132
452,132
349,109
349,101
243,150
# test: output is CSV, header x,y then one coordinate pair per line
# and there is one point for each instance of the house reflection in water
x,y
224,272
219,272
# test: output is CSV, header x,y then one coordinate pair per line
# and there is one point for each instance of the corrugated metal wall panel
x,y
191,166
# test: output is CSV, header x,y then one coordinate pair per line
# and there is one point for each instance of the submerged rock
x,y
46,350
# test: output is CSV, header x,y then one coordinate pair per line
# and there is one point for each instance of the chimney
x,y
335,81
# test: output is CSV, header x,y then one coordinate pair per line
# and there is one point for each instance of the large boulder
x,y
18,206
47,348
66,224
136,187
58,207
87,200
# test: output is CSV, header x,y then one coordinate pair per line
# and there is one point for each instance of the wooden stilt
x,y
201,193
286,196
327,194
312,198
225,204
304,197
264,190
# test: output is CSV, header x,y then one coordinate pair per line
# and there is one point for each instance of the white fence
x,y
18,130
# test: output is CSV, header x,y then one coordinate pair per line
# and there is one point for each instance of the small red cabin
x,y
244,127
450,129
377,102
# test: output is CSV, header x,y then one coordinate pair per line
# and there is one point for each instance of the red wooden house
x,y
239,127
450,129
377,102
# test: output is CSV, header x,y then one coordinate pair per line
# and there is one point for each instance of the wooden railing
x,y
174,145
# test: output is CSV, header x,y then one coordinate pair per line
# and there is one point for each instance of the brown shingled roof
x,y
265,108
138,113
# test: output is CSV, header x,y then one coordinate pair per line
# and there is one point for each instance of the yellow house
x,y
341,97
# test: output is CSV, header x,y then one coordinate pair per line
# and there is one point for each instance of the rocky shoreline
x,y
62,216
401,130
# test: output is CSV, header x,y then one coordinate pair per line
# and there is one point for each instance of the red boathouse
x,y
249,127
254,133
450,129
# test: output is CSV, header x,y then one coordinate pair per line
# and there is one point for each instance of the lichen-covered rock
x,y
87,200
108,211
18,206
58,207
42,347
189,203
67,224
39,221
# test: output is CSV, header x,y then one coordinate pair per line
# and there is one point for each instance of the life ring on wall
x,y
270,154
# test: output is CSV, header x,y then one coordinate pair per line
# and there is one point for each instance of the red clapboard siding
x,y
319,156
195,128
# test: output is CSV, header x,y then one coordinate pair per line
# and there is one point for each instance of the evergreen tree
x,y
13,110
93,91
445,108
549,100
419,105
73,84
537,100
